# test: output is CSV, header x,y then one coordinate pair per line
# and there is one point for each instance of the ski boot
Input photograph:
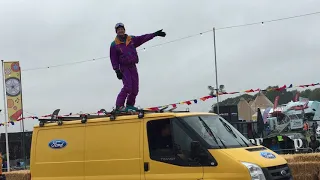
x,y
130,108
117,111
121,109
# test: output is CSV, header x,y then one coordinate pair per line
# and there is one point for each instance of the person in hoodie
x,y
124,57
314,143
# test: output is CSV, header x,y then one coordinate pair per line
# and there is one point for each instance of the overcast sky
x,y
45,33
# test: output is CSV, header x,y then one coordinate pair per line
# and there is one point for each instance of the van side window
x,y
169,143
160,138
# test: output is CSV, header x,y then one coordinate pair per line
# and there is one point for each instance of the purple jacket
x,y
124,54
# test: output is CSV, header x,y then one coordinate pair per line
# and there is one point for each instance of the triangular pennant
x,y
281,88
233,92
248,91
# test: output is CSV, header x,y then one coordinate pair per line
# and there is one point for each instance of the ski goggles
x,y
119,25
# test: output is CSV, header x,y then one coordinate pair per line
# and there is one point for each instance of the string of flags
x,y
204,98
188,102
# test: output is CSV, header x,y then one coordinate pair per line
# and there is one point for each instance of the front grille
x,y
281,172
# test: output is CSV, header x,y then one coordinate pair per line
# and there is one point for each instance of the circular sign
x,y
13,86
15,67
267,155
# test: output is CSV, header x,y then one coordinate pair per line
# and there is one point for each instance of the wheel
x,y
112,118
60,123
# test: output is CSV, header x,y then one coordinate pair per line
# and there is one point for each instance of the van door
x,y
112,150
167,151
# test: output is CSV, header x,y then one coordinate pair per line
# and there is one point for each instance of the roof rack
x,y
55,118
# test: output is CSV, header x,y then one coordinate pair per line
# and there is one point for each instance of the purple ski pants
x,y
130,89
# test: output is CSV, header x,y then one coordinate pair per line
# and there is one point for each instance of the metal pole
x,y
22,123
5,117
216,69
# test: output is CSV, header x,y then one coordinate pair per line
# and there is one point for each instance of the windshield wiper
x,y
211,133
231,131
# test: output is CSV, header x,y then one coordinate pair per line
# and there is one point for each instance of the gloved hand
x,y
119,74
160,33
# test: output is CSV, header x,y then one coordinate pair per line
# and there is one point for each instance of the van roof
x,y
111,116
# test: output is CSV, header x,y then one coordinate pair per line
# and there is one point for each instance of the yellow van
x,y
149,146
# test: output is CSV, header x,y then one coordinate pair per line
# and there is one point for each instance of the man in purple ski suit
x,y
124,57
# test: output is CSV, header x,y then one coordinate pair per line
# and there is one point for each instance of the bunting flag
x,y
188,102
49,115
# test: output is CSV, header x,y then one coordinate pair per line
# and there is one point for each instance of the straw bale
x,y
18,175
305,167
289,158
311,157
302,176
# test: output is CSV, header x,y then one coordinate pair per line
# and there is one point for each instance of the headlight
x,y
255,171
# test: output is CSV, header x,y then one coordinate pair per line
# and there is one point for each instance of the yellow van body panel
x,y
92,150
55,164
113,150
230,167
241,154
164,171
227,169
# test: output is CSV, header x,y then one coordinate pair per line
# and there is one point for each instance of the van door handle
x,y
146,166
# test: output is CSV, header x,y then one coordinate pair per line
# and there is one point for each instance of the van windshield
x,y
216,131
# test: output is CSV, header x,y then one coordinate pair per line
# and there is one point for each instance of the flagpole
x,y
22,123
5,117
216,68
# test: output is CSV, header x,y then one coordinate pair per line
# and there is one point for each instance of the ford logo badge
x,y
57,144
267,155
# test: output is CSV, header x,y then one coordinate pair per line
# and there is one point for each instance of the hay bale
x,y
289,158
305,177
304,166
18,175
311,168
311,157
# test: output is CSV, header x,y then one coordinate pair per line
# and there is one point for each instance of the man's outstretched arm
x,y
139,40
